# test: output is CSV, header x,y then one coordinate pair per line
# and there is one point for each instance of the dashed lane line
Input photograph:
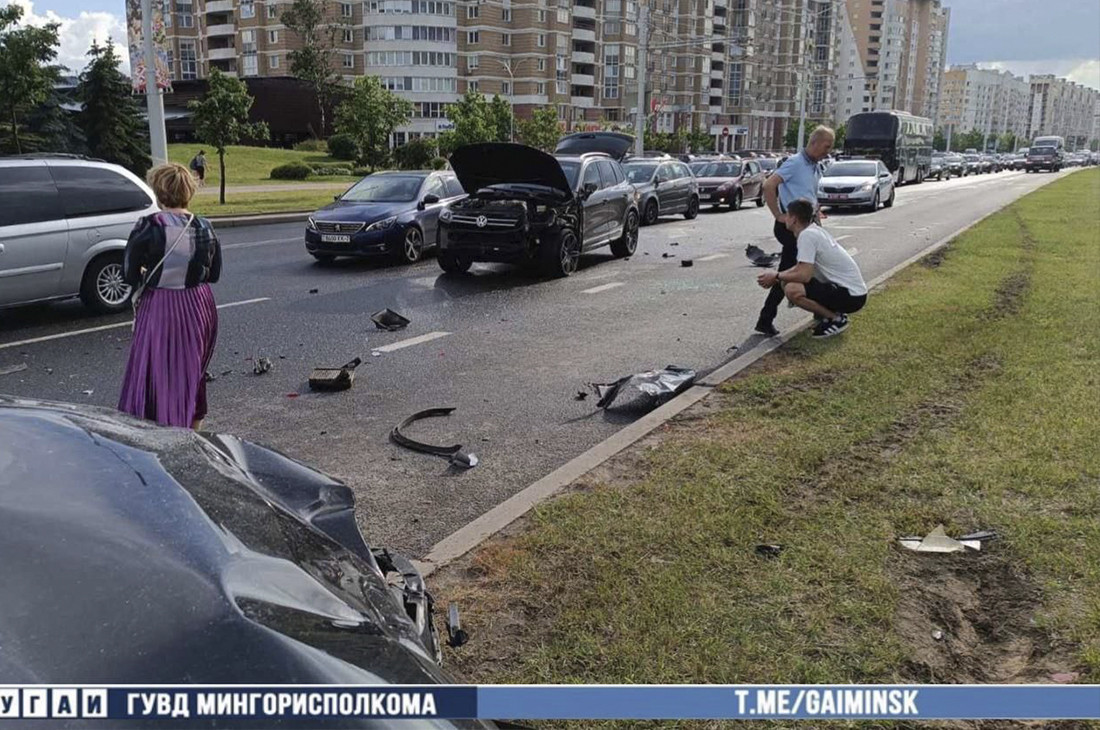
x,y
714,257
603,287
402,344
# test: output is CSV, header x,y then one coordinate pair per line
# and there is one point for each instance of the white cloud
x,y
76,34
1083,71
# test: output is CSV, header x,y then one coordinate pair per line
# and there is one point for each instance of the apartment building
x,y
891,56
738,69
990,101
1063,108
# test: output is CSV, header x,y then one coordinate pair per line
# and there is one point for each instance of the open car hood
x,y
614,144
498,163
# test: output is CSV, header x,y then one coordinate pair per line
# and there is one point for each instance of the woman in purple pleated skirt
x,y
172,256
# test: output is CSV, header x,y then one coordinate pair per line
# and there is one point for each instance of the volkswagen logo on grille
x,y
481,221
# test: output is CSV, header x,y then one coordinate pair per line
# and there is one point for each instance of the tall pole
x,y
803,43
639,116
154,102
511,102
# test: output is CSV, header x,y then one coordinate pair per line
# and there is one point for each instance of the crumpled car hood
x,y
498,163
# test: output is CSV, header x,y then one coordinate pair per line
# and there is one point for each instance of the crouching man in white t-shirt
x,y
826,280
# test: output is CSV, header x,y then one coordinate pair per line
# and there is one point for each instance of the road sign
x,y
725,131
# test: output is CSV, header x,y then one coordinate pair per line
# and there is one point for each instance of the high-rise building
x,y
891,56
740,70
994,102
1062,108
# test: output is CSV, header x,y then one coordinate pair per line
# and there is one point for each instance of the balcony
x,y
583,11
586,102
222,54
717,73
580,34
583,80
219,6
213,31
584,57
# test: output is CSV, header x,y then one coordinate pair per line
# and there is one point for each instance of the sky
x,y
1025,37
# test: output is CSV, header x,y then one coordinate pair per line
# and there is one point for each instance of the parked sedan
x,y
864,183
973,164
730,183
665,187
955,164
939,169
385,214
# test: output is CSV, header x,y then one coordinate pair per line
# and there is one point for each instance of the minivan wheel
x,y
693,208
627,244
651,213
103,288
453,263
560,258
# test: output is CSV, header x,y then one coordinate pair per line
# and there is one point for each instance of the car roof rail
x,y
587,155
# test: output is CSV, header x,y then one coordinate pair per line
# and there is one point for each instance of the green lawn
x,y
251,165
965,394
289,201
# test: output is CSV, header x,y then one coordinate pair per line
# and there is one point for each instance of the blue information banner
x,y
205,706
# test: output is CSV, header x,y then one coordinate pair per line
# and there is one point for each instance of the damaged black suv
x,y
528,207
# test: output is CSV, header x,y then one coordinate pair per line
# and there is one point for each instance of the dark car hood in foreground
x,y
614,144
362,212
498,163
131,553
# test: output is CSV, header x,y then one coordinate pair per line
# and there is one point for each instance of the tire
x,y
412,246
760,200
651,213
875,202
890,201
323,259
627,244
901,176
692,211
453,263
102,288
735,204
560,258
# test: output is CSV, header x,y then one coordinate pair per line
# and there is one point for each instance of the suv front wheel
x,y
627,244
561,257
103,288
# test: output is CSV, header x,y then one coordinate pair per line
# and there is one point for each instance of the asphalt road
x,y
507,350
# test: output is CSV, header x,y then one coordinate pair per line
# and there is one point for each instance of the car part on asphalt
x,y
389,320
261,365
667,255
332,379
937,541
581,395
456,635
758,258
769,551
456,454
687,263
209,377
314,291
658,385
13,369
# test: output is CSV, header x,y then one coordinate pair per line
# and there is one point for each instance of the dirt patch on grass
x,y
970,618
935,259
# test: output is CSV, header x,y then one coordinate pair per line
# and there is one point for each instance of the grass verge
x,y
965,394
289,201
251,165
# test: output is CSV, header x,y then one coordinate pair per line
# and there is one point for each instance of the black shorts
x,y
834,297
201,171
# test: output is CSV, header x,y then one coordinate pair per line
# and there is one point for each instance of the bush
x,y
291,171
362,171
414,155
345,167
343,147
439,163
331,171
312,145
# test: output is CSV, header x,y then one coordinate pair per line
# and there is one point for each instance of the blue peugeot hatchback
x,y
385,214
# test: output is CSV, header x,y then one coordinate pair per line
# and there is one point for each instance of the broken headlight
x,y
445,215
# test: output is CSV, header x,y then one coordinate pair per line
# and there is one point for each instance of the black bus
x,y
903,142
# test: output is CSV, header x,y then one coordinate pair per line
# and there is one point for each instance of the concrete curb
x,y
258,220
466,538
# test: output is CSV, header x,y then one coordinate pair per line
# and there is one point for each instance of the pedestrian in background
x,y
171,259
198,165
796,178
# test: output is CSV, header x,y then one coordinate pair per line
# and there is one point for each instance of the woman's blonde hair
x,y
173,184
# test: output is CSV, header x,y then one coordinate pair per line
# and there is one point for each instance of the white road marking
x,y
852,251
89,330
841,238
598,277
713,257
250,244
857,228
410,342
603,287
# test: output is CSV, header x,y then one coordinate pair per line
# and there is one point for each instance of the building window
x,y
473,37
170,60
506,88
506,39
273,61
349,35
473,11
612,27
272,11
167,16
189,67
611,71
540,16
273,36
345,10
471,86
540,88
185,14
506,15
630,29
563,17
471,63
542,64
540,40
735,84
248,10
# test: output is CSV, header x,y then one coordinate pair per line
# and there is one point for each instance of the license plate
x,y
335,238
837,196
707,196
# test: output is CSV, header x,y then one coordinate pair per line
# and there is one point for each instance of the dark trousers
x,y
787,259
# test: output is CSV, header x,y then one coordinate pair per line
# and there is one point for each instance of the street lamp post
x,y
511,92
154,102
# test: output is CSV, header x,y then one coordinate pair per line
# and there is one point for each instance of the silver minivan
x,y
64,222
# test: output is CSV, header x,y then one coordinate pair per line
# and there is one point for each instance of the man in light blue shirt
x,y
795,179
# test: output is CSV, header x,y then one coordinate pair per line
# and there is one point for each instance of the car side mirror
x,y
589,189
337,197
429,199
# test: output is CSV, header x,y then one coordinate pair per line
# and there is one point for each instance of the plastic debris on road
x,y
456,454
389,320
13,369
938,541
332,379
686,263
658,385
456,635
261,365
757,256
769,551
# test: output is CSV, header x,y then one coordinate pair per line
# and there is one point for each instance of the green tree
x,y
369,114
790,139
313,60
26,73
416,154
500,119
939,142
221,118
1006,142
841,135
473,121
48,128
700,140
111,119
542,130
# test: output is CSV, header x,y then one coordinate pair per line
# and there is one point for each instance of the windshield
x,y
720,169
384,189
872,126
1042,151
767,163
570,169
639,173
852,169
